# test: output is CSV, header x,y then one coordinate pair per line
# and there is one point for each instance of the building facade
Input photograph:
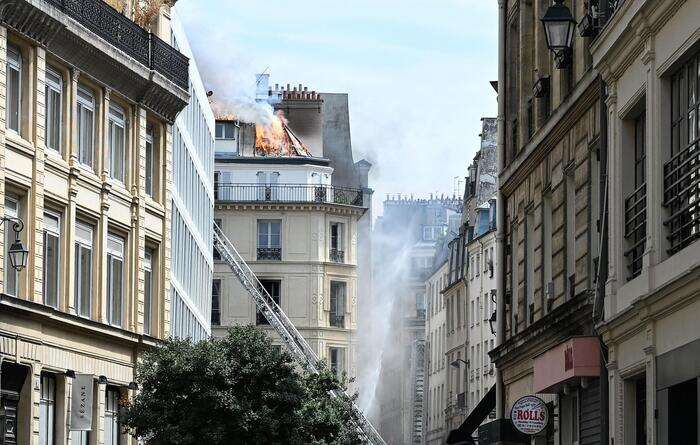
x,y
192,205
436,369
550,109
648,58
85,149
299,229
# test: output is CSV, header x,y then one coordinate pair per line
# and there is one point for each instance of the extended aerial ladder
x,y
299,348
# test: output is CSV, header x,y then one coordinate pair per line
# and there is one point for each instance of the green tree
x,y
234,390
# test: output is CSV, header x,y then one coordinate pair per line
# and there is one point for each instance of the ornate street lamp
x,y
559,27
492,323
18,253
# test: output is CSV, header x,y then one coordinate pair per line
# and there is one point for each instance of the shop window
x,y
683,413
47,410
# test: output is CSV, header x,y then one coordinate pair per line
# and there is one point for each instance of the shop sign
x,y
81,403
529,415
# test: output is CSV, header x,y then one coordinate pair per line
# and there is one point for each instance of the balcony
x,y
337,321
682,198
289,193
636,229
269,254
336,256
86,33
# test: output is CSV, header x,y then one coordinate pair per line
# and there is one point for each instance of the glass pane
x,y
13,99
149,168
119,153
51,273
147,302
85,281
691,126
691,84
116,288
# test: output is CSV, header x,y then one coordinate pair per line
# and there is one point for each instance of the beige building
x,y
295,224
436,370
85,161
648,58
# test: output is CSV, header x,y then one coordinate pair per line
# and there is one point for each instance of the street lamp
x,y
492,323
455,364
559,26
18,253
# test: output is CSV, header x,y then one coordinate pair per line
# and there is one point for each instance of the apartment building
x,y
86,164
647,55
298,227
192,205
436,369
550,140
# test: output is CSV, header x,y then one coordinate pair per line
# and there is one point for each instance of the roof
x,y
278,140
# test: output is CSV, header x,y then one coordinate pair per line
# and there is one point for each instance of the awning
x,y
463,434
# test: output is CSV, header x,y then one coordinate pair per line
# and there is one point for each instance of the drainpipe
x,y
500,204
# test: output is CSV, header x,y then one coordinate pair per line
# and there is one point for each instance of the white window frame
x,y
340,236
268,236
47,410
112,427
14,63
115,253
150,156
86,103
54,86
52,227
148,293
83,241
340,360
117,152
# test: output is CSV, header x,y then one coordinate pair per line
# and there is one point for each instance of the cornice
x,y
291,206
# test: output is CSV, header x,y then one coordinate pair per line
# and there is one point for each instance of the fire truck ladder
x,y
299,348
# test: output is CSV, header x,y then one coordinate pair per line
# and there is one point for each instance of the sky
x,y
417,73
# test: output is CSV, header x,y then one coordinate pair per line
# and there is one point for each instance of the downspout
x,y
500,204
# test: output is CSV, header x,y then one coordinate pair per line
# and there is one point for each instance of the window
x,y
148,291
269,240
115,280
86,126
337,250
52,258
547,251
149,160
337,361
338,296
478,264
530,268
14,87
83,269
570,235
514,281
47,410
216,302
80,438
225,130
112,433
570,418
477,311
219,224
54,98
273,289
12,280
117,142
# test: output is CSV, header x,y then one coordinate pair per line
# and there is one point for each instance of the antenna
x,y
259,76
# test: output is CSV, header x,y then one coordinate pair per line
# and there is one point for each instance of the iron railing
x,y
270,253
336,256
682,197
636,229
323,194
121,32
337,321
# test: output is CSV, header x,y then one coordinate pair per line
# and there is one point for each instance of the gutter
x,y
500,205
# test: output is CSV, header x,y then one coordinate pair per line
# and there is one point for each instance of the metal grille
x,y
636,229
270,253
337,256
119,31
326,194
681,196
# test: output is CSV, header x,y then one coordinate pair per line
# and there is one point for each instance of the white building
x,y
192,206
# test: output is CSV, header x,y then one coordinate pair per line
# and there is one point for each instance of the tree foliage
x,y
235,390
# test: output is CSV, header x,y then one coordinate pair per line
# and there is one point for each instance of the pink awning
x,y
573,358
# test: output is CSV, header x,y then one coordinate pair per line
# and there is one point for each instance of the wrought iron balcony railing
x,y
121,32
636,229
337,321
682,197
337,256
270,253
323,194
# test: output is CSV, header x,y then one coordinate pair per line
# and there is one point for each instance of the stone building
x,y
299,228
436,370
550,139
647,55
86,132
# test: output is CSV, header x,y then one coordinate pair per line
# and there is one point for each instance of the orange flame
x,y
277,139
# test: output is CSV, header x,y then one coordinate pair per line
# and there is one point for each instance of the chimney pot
x,y
299,87
306,89
288,89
